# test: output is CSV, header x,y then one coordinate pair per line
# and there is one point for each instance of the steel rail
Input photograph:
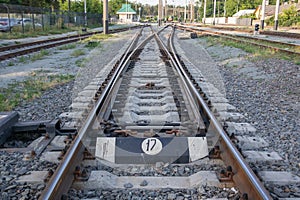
x,y
174,64
44,44
63,176
262,32
27,44
259,191
231,37
38,48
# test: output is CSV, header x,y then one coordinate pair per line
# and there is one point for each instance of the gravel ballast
x,y
265,91
51,104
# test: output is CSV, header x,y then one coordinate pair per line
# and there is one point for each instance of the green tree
x,y
114,6
92,6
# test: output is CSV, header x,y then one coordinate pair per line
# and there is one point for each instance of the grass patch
x,y
92,44
94,40
67,47
39,55
30,89
77,53
80,62
259,53
11,64
22,59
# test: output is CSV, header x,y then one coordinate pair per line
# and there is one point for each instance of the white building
x,y
126,14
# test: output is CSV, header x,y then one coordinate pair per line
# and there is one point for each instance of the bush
x,y
288,17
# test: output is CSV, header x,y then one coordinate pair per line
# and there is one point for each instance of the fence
x,y
46,19
229,20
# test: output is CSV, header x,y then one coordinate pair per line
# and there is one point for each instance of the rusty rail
x,y
62,179
243,177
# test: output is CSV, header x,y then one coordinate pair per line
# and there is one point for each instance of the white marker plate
x,y
151,146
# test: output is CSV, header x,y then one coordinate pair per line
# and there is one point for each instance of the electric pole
x,y
204,12
85,17
225,8
160,10
263,10
105,16
215,5
192,11
166,10
276,15
184,18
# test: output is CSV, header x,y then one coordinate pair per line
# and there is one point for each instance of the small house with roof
x,y
126,14
244,13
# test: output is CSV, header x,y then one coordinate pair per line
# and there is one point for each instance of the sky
x,y
155,2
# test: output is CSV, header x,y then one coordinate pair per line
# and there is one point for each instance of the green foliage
x,y
114,6
233,6
258,53
252,16
39,55
35,3
92,6
67,47
288,17
77,53
150,10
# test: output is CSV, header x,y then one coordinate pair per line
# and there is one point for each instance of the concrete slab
x,y
280,178
35,177
239,128
83,99
253,156
221,107
295,198
136,151
97,83
106,180
51,156
218,100
105,149
80,106
87,93
91,87
7,120
58,141
72,115
248,143
229,116
72,124
196,150
36,143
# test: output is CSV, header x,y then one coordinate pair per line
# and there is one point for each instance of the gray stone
x,y
171,196
128,185
144,183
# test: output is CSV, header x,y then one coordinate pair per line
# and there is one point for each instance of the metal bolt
x,y
226,175
215,153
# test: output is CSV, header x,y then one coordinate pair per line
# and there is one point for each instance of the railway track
x,y
152,112
11,51
263,32
277,46
155,110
